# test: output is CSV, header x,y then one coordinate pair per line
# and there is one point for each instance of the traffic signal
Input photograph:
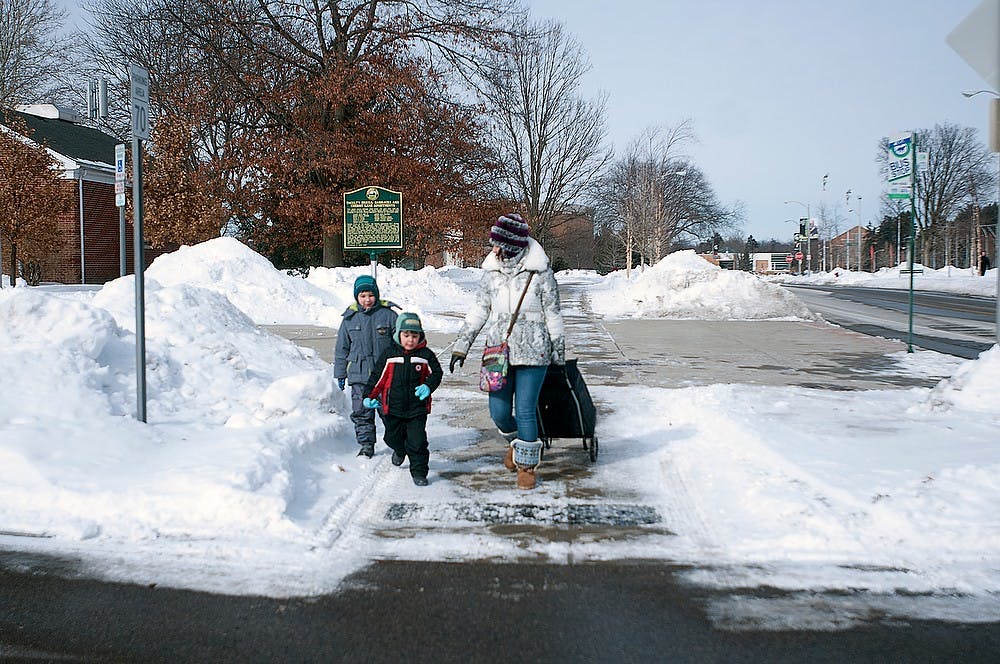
x,y
802,226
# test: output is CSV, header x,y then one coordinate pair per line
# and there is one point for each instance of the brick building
x,y
849,250
571,245
88,249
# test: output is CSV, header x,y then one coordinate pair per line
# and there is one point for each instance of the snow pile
x,y
946,279
245,479
423,291
5,280
756,487
250,282
975,386
230,409
683,285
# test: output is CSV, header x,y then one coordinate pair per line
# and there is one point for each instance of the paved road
x,y
482,611
441,612
960,325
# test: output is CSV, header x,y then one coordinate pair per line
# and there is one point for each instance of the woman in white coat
x,y
536,339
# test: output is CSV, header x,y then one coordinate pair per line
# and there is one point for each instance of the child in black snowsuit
x,y
405,375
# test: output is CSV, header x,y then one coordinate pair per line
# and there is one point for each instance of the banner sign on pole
x,y
900,173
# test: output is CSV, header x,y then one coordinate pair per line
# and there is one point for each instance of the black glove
x,y
456,358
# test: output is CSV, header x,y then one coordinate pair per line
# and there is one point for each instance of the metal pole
x,y
859,235
121,242
140,305
83,248
809,241
899,238
996,255
913,221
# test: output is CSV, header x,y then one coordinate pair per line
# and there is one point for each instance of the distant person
x,y
536,338
365,333
984,263
400,388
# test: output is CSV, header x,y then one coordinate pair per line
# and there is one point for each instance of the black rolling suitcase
x,y
565,409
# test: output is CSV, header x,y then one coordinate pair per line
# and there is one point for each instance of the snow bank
x,y
265,294
683,285
423,291
748,479
964,281
246,472
75,464
975,386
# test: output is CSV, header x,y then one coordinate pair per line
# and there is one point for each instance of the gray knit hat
x,y
407,321
510,233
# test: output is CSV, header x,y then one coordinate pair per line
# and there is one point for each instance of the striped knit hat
x,y
510,233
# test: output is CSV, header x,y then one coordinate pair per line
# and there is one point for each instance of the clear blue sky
x,y
780,92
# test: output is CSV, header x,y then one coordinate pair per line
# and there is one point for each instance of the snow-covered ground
x,y
963,281
245,480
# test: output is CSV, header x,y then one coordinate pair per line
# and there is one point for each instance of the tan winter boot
x,y
508,457
527,456
526,478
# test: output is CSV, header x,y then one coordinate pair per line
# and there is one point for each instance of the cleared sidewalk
x,y
682,353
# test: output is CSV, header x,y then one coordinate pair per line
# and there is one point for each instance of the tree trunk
x,y
13,265
333,249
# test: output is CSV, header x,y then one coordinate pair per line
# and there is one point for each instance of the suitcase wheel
x,y
592,448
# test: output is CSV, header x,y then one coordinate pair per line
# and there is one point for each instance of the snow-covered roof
x,y
68,141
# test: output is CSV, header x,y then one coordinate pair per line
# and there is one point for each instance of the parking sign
x,y
120,175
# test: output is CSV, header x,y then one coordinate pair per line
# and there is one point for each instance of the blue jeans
x,y
514,408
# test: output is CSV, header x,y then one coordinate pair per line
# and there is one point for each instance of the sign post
x,y
139,84
373,222
120,204
902,176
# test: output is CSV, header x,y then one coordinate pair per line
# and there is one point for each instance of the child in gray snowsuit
x,y
365,332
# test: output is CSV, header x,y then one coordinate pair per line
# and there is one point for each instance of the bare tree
x,y
629,194
653,197
34,65
958,166
550,139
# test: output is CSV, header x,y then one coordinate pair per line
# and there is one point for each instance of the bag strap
x,y
510,328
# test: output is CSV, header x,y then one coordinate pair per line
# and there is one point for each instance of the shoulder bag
x,y
496,359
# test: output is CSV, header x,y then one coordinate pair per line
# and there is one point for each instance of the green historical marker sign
x,y
373,220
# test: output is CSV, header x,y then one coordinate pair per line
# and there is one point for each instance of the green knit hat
x,y
407,321
365,283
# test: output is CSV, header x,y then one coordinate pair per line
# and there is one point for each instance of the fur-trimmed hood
x,y
537,336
